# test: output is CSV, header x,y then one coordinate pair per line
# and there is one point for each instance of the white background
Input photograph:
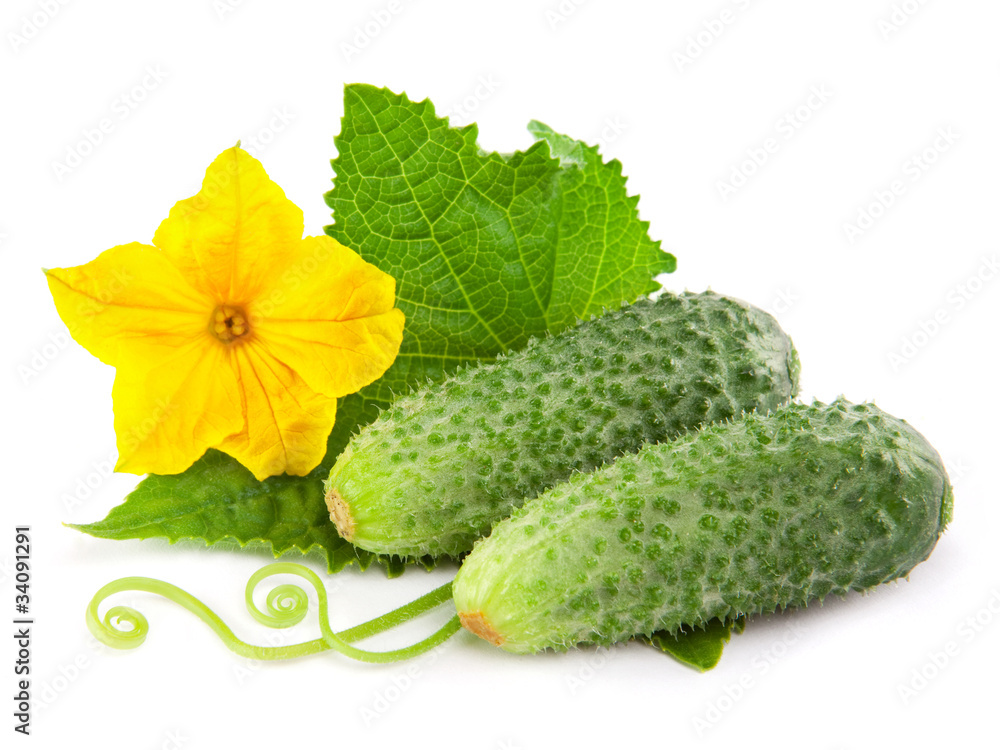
x,y
829,676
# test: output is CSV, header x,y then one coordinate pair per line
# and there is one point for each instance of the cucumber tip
x,y
477,623
340,514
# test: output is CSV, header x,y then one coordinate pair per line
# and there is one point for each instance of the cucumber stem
x,y
124,628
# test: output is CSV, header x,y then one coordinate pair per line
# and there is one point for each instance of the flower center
x,y
228,323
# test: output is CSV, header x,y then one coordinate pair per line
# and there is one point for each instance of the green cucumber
x,y
438,468
750,516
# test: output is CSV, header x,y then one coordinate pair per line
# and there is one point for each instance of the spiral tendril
x,y
285,605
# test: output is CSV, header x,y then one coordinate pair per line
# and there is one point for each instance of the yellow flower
x,y
231,331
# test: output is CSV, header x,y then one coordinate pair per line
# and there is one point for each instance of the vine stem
x,y
286,605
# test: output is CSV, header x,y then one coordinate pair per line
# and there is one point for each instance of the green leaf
x,y
699,648
488,250
218,500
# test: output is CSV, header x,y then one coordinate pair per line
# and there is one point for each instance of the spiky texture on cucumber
x,y
436,470
744,517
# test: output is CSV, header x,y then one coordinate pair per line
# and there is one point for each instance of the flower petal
x,y
286,424
297,324
167,415
330,317
230,237
129,304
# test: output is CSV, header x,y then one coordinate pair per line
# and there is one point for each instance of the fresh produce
x,y
488,251
436,470
494,399
750,516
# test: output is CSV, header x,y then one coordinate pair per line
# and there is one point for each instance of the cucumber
x,y
438,468
766,512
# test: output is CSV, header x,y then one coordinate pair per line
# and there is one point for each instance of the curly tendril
x,y
285,605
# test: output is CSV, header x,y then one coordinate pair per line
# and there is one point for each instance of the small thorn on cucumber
x,y
750,516
445,462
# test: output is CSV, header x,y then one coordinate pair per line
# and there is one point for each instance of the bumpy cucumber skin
x,y
739,518
444,463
